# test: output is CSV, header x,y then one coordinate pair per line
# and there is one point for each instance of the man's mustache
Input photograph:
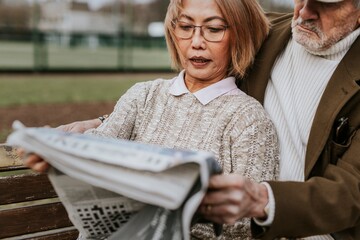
x,y
308,24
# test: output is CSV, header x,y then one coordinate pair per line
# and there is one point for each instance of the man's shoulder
x,y
279,19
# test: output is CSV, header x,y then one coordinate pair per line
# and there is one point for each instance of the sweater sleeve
x,y
254,153
254,148
122,120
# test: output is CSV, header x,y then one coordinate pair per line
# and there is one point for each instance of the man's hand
x,y
232,197
80,126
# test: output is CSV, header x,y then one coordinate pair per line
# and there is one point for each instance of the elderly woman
x,y
212,43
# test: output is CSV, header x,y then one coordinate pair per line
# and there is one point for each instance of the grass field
x,y
23,95
51,88
38,89
15,55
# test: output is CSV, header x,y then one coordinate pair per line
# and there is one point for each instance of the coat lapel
x,y
341,87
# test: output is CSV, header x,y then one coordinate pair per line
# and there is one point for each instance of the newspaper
x,y
119,189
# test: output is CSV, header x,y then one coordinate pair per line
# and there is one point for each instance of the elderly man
x,y
309,83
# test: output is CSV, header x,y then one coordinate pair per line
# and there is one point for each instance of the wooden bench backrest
x,y
29,208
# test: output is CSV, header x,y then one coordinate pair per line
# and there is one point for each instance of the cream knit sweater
x,y
235,128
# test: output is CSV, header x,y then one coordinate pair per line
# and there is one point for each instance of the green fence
x,y
48,53
69,36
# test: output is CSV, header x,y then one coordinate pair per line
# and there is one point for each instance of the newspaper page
x,y
95,212
118,189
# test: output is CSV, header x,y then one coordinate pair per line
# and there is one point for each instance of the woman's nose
x,y
197,38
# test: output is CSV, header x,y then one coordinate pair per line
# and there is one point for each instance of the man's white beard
x,y
321,41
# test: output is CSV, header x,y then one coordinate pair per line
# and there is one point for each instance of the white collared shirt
x,y
226,86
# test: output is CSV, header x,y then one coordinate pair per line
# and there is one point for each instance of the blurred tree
x,y
161,8
14,17
154,11
146,13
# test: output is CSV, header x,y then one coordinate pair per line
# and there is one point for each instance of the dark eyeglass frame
x,y
214,26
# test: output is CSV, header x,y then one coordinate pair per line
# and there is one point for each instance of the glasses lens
x,y
184,30
211,33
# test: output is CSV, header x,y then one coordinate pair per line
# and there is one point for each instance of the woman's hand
x,y
37,163
80,126
33,161
232,197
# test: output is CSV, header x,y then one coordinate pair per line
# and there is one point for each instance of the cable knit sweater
x,y
234,127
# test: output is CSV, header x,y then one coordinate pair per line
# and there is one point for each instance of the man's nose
x,y
308,10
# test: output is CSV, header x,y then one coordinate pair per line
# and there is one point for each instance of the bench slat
x,y
68,235
26,187
20,221
9,158
40,221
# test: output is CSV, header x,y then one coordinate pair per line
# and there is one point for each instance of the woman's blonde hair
x,y
248,29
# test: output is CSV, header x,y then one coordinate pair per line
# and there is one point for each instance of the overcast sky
x,y
98,3
94,4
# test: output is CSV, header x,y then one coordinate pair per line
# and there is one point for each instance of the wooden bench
x,y
29,207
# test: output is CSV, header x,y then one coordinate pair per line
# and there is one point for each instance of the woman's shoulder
x,y
154,84
240,98
246,106
146,91
245,112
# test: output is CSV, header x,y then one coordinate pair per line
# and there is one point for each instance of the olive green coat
x,y
329,200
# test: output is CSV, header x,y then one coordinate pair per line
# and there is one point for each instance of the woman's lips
x,y
199,61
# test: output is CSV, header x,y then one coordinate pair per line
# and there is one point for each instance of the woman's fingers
x,y
36,163
41,167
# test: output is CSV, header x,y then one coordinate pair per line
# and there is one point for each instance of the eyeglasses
x,y
211,32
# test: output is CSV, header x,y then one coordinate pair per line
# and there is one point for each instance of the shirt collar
x,y
206,94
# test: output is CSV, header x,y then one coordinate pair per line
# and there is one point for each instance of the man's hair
x,y
248,28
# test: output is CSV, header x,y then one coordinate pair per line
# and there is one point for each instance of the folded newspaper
x,y
119,189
